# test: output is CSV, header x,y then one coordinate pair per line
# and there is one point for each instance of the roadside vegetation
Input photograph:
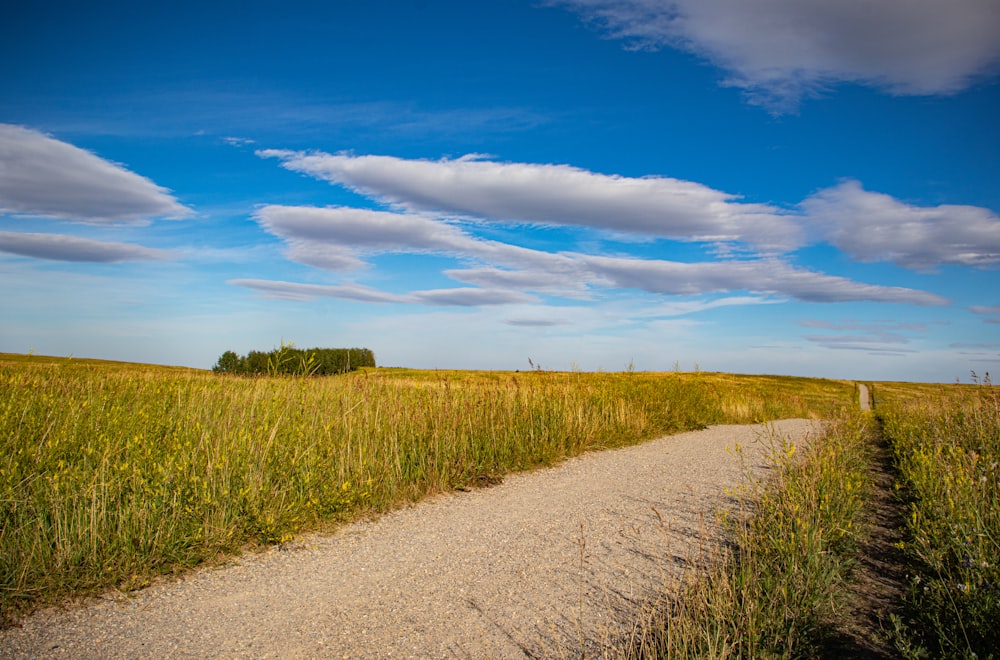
x,y
112,474
787,584
946,446
782,584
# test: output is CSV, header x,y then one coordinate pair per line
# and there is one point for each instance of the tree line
x,y
291,361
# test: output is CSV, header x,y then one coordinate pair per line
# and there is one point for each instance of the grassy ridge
x,y
111,474
946,445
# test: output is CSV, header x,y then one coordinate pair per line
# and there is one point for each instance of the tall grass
x,y
113,474
947,450
778,588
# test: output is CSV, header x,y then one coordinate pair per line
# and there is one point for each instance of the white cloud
x,y
868,226
553,195
301,292
780,50
42,176
234,141
324,255
362,228
458,297
535,322
468,297
761,276
324,234
684,307
876,227
60,247
880,337
333,237
991,312
335,230
559,280
440,204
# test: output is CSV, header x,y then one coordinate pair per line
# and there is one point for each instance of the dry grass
x,y
775,592
113,473
946,445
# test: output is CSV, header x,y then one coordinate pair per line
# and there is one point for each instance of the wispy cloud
x,y
553,195
684,307
193,109
866,225
991,312
238,141
458,297
535,322
363,228
60,247
782,50
880,337
336,238
514,268
439,204
764,276
43,176
982,352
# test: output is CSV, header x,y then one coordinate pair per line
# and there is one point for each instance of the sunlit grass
x,y
774,592
113,473
946,445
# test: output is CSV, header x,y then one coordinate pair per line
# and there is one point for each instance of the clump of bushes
x,y
290,361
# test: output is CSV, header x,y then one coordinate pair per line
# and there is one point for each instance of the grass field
x,y
786,586
112,474
946,445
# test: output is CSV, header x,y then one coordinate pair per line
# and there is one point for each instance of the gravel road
x,y
552,563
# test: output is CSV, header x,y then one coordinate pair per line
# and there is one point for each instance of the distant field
x,y
889,393
112,473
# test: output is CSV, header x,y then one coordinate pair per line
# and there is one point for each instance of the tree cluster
x,y
291,361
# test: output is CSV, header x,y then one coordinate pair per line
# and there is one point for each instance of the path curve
x,y
548,564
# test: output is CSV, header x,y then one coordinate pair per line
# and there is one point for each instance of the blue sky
x,y
754,186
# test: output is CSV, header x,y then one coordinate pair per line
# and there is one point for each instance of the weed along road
x,y
551,563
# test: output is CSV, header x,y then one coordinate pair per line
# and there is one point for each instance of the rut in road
x,y
552,563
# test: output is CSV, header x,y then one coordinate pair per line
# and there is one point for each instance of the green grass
x,y
112,473
946,445
782,584
786,583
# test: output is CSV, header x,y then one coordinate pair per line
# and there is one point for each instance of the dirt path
x,y
548,564
864,399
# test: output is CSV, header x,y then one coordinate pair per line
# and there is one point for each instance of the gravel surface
x,y
553,563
